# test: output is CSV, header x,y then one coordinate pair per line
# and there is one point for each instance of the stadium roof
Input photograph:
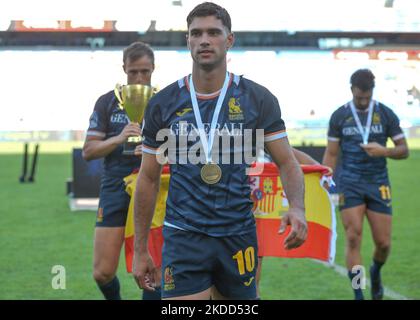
x,y
247,15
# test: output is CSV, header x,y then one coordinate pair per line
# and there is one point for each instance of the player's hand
x,y
145,273
374,149
130,130
329,173
295,217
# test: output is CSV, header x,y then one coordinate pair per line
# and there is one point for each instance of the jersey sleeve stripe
x,y
275,132
398,137
96,133
149,150
275,136
333,139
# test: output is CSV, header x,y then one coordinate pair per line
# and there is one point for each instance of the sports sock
x,y
375,269
152,295
377,289
111,290
358,293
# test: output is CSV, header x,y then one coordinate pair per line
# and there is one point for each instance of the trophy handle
x,y
117,95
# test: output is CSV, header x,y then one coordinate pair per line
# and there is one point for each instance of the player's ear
x,y
230,40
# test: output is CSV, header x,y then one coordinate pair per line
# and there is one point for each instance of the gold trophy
x,y
133,98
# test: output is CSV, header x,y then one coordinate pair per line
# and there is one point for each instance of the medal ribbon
x,y
208,144
364,133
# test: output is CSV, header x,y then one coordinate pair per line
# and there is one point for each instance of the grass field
x,y
38,231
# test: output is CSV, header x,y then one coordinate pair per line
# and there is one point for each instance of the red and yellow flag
x,y
270,202
155,238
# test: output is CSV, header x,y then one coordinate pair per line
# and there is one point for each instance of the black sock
x,y
111,290
358,293
152,295
375,270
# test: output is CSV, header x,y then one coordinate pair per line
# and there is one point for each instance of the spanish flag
x,y
155,238
270,202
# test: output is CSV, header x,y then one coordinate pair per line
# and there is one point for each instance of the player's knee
x,y
383,246
103,277
354,239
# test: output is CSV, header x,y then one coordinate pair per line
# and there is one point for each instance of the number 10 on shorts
x,y
245,260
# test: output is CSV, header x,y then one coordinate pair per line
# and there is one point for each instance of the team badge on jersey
x,y
376,119
235,110
168,279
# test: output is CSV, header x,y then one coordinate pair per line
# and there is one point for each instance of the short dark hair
x,y
138,50
206,9
363,79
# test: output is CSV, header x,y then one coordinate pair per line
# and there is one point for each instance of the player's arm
x,y
147,188
96,147
399,151
394,131
331,154
303,158
293,183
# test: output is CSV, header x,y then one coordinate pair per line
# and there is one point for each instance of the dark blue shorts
x,y
113,203
376,196
193,262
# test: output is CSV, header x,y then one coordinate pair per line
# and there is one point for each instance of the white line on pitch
x,y
343,271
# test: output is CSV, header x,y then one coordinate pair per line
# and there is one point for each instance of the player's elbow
x,y
90,150
87,154
401,152
332,153
405,154
149,176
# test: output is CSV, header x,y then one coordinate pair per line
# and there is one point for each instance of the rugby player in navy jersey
x,y
209,229
108,129
360,129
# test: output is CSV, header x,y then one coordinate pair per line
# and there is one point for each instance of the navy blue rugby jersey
x,y
106,121
225,207
356,164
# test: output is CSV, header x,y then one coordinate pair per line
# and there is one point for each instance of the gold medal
x,y
211,173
